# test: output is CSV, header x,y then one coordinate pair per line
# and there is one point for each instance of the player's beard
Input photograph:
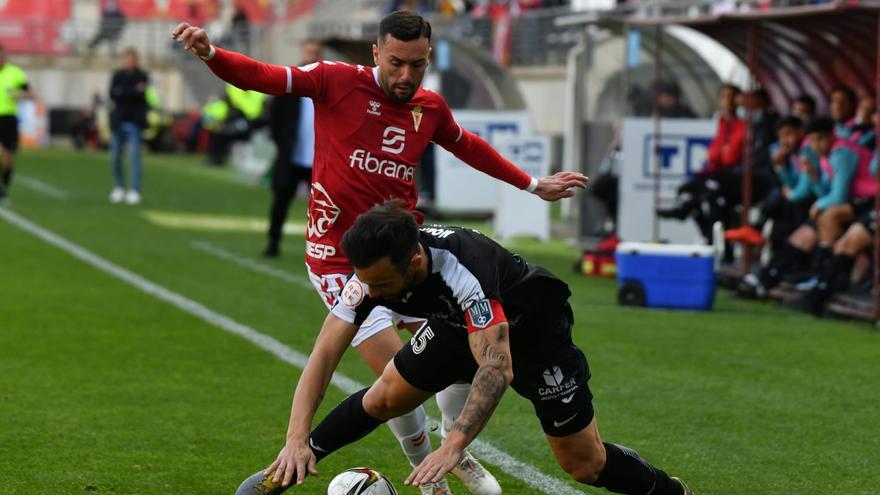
x,y
397,98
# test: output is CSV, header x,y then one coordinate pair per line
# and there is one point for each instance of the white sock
x,y
412,435
451,401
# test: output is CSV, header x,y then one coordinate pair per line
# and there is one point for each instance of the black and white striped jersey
x,y
473,282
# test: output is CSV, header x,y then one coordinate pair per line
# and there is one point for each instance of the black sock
x,y
788,258
347,423
834,277
822,254
836,272
7,178
626,472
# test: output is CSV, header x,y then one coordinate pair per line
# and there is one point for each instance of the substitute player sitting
x,y
494,320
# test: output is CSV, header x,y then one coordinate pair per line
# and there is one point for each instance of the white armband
x,y
211,54
533,185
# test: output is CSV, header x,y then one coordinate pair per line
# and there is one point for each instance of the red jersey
x,y
726,150
366,145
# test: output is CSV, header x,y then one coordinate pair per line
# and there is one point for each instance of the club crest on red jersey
x,y
417,116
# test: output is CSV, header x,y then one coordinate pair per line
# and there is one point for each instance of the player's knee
x,y
381,404
586,469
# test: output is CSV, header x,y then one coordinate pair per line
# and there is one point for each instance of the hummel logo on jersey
x,y
481,313
553,376
393,140
374,108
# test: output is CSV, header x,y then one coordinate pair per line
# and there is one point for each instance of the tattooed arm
x,y
491,348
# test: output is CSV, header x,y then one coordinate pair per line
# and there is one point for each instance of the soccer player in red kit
x,y
372,125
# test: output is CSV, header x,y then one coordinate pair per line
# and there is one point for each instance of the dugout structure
x,y
790,51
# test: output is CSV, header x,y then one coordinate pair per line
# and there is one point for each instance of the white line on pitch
x,y
256,266
41,187
528,474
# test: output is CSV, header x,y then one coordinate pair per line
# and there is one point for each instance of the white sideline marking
x,y
523,471
256,266
42,187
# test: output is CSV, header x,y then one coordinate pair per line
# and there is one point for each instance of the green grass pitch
x,y
106,389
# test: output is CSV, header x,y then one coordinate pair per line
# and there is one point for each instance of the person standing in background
x,y
13,87
292,124
128,89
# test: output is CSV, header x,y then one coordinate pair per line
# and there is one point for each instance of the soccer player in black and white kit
x,y
493,320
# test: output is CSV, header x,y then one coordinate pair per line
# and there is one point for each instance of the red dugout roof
x,y
807,49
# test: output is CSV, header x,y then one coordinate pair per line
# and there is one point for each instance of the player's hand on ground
x,y
560,185
435,466
293,460
193,38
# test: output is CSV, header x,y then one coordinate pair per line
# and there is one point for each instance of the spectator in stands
x,y
843,106
639,101
215,114
709,196
14,86
292,124
128,91
240,29
244,112
110,29
669,103
832,182
804,108
786,209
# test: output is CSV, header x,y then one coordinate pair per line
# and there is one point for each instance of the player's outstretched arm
x,y
479,154
560,185
296,458
491,348
236,69
193,38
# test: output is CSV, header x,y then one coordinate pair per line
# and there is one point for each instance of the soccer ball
x,y
360,481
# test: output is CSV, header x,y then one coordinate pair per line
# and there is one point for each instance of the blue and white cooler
x,y
678,276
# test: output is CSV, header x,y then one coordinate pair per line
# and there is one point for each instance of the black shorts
x,y
552,375
868,220
862,206
9,132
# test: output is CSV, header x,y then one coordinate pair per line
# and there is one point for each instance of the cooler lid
x,y
653,248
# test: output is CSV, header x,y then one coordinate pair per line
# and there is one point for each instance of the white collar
x,y
376,76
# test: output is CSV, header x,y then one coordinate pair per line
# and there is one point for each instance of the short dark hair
x,y
821,124
762,95
849,92
807,100
388,229
732,87
404,25
790,121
